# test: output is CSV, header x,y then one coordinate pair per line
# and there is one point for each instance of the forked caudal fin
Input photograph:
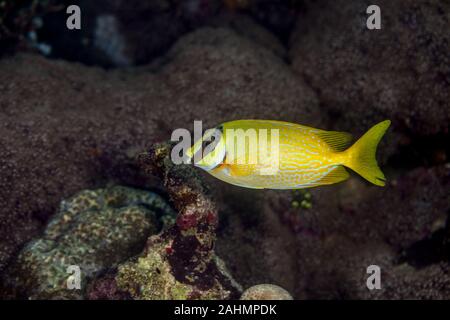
x,y
362,154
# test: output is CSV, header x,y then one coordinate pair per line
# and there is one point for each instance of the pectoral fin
x,y
242,170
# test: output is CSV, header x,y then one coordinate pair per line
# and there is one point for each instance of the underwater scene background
x,y
86,117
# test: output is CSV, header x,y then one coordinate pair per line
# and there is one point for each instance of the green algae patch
x,y
151,277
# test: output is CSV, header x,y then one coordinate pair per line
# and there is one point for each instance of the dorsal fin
x,y
338,141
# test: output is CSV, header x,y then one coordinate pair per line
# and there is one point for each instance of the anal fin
x,y
337,175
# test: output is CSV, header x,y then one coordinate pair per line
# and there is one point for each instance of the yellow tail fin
x,y
362,154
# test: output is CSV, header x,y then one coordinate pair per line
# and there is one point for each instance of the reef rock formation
x,y
101,231
401,72
401,229
94,230
266,292
66,127
180,263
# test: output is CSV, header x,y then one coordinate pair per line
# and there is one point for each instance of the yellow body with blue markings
x,y
307,157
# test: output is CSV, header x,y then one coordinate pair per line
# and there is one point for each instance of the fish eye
x,y
208,142
212,150
211,138
205,149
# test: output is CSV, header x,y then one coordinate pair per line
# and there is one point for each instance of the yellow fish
x,y
297,156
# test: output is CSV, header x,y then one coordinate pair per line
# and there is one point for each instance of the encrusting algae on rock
x,y
180,263
151,277
94,230
101,232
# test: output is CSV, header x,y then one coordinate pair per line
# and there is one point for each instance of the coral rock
x,y
401,72
180,262
94,230
266,292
